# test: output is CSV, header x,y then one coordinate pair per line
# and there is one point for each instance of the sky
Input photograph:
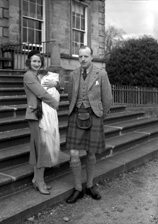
x,y
135,17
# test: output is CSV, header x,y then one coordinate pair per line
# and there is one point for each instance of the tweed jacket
x,y
99,91
34,90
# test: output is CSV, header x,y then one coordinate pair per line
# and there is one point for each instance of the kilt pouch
x,y
84,120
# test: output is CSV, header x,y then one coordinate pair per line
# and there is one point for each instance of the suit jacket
x,y
34,90
99,91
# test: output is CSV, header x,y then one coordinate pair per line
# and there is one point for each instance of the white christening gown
x,y
49,122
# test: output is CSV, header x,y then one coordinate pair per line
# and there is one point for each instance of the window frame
x,y
26,45
82,4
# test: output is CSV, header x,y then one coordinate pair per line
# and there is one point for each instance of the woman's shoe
x,y
41,188
45,185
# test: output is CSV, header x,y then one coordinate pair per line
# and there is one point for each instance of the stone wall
x,y
10,21
98,28
4,21
59,18
15,21
58,25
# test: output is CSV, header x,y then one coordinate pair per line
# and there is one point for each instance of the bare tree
x,y
113,38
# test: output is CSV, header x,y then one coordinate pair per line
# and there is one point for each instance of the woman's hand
x,y
49,84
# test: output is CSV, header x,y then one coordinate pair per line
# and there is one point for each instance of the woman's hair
x,y
28,60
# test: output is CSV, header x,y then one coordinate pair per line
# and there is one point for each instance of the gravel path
x,y
131,198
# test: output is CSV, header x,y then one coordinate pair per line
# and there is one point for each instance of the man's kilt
x,y
91,140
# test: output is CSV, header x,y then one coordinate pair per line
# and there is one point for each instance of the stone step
x,y
19,110
10,91
15,72
13,123
23,172
125,141
19,137
18,177
19,122
13,156
14,138
12,100
124,115
16,207
11,135
12,151
146,125
11,78
144,122
19,153
11,83
117,108
18,100
12,111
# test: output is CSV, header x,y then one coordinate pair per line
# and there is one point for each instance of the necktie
x,y
84,74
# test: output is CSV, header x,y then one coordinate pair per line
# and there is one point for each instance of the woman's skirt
x,y
39,154
91,140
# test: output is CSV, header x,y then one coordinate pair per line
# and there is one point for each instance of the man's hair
x,y
84,47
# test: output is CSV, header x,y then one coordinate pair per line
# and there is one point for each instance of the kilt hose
x,y
91,140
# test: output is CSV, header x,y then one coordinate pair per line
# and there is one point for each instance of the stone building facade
x,y
66,22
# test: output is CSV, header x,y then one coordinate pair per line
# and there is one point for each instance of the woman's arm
x,y
50,84
51,80
37,89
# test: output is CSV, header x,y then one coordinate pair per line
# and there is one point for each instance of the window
x,y
79,26
33,21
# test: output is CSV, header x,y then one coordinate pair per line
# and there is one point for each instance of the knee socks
x,y
90,170
76,171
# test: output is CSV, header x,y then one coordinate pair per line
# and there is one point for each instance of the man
x,y
90,97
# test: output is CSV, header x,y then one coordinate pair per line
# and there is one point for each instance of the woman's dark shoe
x,y
75,196
92,191
41,188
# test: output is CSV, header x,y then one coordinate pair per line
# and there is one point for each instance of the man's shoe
x,y
92,191
75,196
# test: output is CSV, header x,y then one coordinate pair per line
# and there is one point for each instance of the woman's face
x,y
35,63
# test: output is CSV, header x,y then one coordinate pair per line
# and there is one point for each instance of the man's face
x,y
85,57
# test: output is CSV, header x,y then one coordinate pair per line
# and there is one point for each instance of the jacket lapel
x,y
93,77
77,80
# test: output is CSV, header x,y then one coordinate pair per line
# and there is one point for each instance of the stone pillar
x,y
55,65
55,56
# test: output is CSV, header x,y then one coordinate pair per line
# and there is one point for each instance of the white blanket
x,y
49,122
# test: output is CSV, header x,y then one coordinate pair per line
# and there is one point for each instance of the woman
x,y
35,94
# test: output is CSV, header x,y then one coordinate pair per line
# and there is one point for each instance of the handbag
x,y
38,110
84,120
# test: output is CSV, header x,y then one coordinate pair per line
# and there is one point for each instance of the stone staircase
x,y
125,131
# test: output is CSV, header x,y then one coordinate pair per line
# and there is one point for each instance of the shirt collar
x,y
87,70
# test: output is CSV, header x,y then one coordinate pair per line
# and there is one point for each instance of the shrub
x,y
135,62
